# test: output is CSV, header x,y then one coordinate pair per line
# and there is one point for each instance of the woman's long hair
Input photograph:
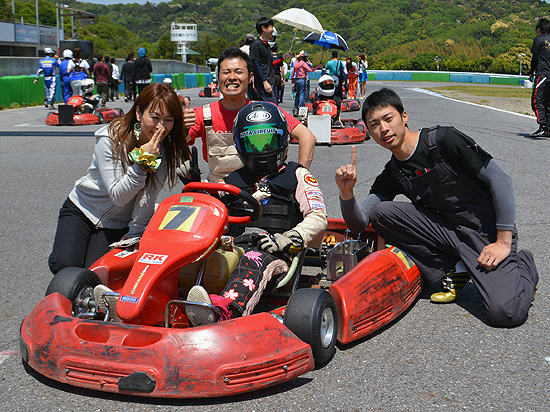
x,y
176,150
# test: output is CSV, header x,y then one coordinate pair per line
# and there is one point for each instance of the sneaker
x,y
542,132
199,315
106,300
452,284
51,107
126,100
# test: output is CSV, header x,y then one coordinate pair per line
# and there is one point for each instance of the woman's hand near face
x,y
153,145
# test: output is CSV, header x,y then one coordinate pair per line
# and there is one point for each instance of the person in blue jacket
x,y
64,75
47,66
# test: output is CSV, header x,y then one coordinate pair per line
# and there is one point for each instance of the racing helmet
x,y
326,85
67,54
261,136
168,81
87,86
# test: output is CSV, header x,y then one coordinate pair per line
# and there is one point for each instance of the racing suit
x,y
47,66
292,204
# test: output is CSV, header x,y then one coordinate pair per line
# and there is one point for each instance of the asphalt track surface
x,y
432,358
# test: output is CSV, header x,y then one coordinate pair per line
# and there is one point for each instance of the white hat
x,y
68,54
167,80
48,50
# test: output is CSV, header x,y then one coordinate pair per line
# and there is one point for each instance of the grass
x,y
513,92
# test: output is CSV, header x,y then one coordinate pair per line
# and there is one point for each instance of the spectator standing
x,y
363,65
127,76
262,62
78,70
540,67
142,70
64,74
299,79
284,73
247,42
335,68
102,78
115,80
47,66
351,68
90,61
277,69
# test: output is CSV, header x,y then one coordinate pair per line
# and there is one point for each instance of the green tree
x,y
166,48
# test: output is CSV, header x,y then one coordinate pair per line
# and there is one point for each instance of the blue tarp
x,y
469,78
190,80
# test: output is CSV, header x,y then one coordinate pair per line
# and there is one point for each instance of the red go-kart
x,y
137,339
81,110
342,131
210,91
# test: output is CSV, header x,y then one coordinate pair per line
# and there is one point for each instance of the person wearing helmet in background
x,y
64,75
47,66
168,82
213,123
78,70
293,213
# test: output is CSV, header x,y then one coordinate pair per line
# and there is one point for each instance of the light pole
x,y
437,59
520,62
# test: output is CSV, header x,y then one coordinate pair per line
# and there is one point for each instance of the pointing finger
x,y
353,156
186,102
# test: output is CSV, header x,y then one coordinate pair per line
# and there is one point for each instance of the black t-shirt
x,y
541,47
260,51
457,149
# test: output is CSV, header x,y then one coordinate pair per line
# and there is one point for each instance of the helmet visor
x,y
327,84
262,138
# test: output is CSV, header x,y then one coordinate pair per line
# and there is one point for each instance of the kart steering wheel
x,y
213,188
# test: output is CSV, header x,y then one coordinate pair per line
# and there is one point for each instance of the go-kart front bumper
x,y
221,359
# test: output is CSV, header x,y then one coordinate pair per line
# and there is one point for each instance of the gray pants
x,y
434,245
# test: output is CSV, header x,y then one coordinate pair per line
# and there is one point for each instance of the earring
x,y
137,130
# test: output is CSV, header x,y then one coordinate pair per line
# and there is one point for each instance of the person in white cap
x,y
64,74
47,66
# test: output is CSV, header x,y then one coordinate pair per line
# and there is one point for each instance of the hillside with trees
x,y
467,35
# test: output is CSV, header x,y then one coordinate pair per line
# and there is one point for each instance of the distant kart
x,y
346,105
137,340
81,110
342,131
210,91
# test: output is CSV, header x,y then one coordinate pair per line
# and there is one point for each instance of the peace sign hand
x,y
153,145
346,176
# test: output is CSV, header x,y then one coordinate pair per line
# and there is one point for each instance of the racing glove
x,y
189,171
290,242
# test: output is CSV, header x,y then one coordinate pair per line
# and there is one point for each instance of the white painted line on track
x,y
4,355
417,89
22,125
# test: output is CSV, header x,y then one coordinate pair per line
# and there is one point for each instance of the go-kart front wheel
x,y
311,315
77,285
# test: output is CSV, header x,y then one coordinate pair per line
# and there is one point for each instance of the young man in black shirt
x,y
262,62
540,74
462,210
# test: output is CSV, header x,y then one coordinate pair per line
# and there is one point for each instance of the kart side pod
x,y
374,293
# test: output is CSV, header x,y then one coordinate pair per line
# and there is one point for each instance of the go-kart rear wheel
x,y
100,117
77,285
120,111
311,315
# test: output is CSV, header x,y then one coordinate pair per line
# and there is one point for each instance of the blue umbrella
x,y
327,39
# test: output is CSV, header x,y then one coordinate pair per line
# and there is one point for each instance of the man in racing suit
x,y
213,123
47,66
540,64
293,213
463,209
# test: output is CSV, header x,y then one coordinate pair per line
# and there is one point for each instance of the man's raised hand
x,y
346,176
188,115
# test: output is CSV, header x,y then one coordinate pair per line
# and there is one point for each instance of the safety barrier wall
x,y
20,90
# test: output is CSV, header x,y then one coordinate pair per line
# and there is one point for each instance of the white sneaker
x,y
106,300
199,315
